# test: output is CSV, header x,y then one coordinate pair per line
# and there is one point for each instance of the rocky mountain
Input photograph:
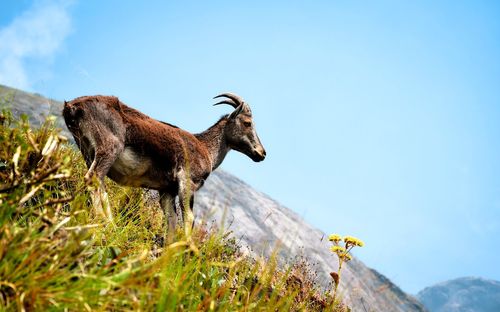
x,y
261,224
35,106
466,294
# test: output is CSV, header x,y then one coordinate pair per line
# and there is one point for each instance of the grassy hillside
x,y
55,254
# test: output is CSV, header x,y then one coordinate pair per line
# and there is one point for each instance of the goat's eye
x,y
247,123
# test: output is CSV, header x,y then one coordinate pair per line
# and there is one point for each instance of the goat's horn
x,y
238,100
232,103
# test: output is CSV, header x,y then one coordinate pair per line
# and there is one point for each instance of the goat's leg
x,y
167,203
186,200
186,205
100,200
104,157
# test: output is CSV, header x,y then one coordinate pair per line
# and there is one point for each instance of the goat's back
x,y
166,144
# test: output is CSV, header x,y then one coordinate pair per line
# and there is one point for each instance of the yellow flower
x,y
335,238
349,240
337,249
347,257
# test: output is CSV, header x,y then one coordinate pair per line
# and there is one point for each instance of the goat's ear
x,y
236,111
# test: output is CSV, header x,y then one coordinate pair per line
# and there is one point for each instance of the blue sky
x,y
381,119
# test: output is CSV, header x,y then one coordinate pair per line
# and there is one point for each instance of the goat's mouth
x,y
258,157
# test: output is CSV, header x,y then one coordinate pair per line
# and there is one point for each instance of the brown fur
x,y
135,150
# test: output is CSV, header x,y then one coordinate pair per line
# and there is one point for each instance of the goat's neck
x,y
215,141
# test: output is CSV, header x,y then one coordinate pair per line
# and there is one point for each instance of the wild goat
x,y
134,149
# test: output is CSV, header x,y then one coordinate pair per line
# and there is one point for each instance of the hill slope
x,y
466,294
261,224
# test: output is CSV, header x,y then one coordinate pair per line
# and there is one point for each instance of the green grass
x,y
56,254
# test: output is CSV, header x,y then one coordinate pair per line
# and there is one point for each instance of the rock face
x,y
263,225
35,106
467,294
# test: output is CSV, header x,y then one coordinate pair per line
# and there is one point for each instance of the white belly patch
x,y
130,164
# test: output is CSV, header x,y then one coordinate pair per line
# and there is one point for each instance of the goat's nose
x,y
264,152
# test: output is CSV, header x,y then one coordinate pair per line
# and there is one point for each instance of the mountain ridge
x,y
464,294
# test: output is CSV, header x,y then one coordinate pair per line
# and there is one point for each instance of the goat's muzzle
x,y
259,155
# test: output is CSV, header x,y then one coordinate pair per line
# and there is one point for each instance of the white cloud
x,y
35,35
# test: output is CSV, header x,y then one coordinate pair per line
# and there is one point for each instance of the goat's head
x,y
240,131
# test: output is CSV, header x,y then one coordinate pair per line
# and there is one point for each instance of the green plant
x,y
342,248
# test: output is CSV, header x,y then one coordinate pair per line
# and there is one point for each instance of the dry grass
x,y
55,254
